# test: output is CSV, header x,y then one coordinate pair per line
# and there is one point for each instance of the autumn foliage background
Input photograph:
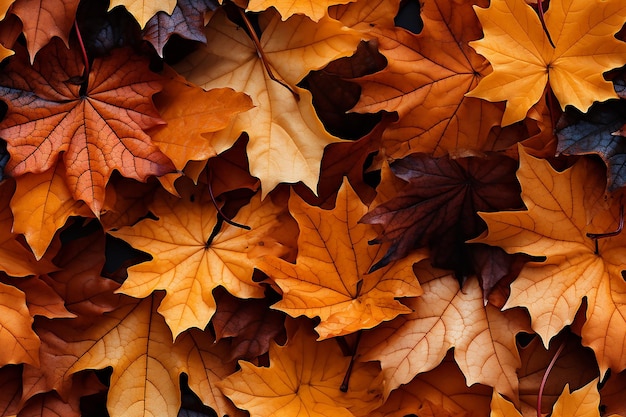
x,y
303,208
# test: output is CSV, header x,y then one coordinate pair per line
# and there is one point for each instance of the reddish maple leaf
x,y
98,130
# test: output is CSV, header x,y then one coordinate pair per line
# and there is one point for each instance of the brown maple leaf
x,y
426,80
97,130
438,206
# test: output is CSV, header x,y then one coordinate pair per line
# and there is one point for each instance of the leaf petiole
x,y
543,22
85,76
596,236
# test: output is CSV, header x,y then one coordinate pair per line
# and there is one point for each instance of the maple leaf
x,y
583,402
362,14
187,21
190,258
287,139
19,342
41,205
418,342
250,325
593,133
143,10
44,19
441,392
186,136
438,205
303,378
136,342
98,131
330,279
15,259
523,60
41,299
426,80
315,9
562,208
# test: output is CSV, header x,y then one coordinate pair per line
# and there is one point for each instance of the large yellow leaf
x,y
447,316
524,61
304,380
143,10
330,277
189,260
315,9
562,208
287,139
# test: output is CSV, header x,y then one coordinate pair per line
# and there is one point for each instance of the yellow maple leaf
x,y
287,139
315,9
189,261
304,380
143,10
524,61
562,208
330,279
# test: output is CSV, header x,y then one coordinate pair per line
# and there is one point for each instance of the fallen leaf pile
x,y
312,208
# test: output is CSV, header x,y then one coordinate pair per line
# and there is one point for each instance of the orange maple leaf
x,y
524,61
562,208
41,205
44,19
330,277
20,344
15,259
190,258
98,130
418,342
426,79
304,379
287,139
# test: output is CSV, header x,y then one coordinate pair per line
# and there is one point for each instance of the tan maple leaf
x,y
143,10
330,278
97,132
447,316
524,61
304,379
190,260
287,139
562,208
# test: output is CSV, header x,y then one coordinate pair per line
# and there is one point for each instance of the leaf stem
x,y
545,376
217,207
346,379
543,22
263,57
84,54
596,236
